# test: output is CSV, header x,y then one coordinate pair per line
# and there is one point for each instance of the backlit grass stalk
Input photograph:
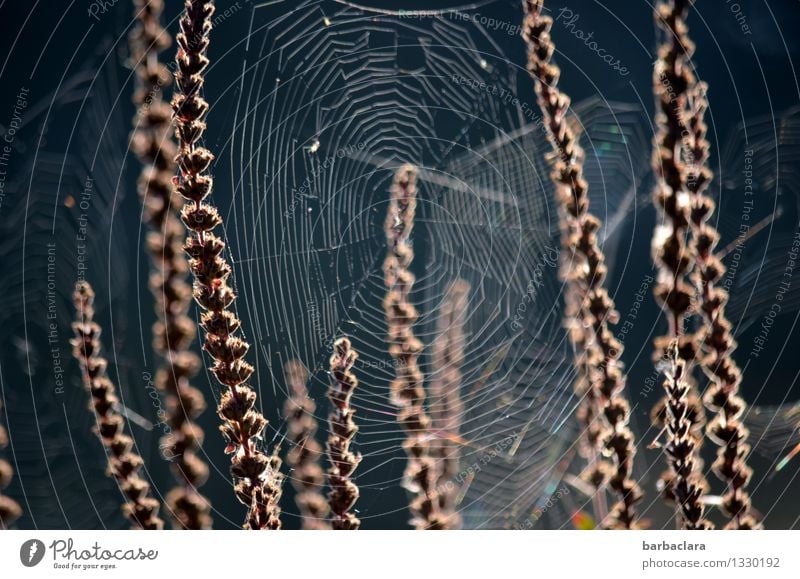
x,y
174,330
303,457
596,306
123,462
726,430
257,480
10,510
672,251
407,389
343,462
446,407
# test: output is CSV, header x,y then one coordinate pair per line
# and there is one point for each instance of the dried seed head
x,y
681,161
123,463
446,407
343,491
174,330
407,391
10,510
600,382
258,483
304,456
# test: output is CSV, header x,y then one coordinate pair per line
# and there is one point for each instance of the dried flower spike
x,y
123,463
726,430
672,254
595,306
304,455
446,405
344,492
589,412
407,389
687,485
696,416
672,77
174,330
257,476
10,510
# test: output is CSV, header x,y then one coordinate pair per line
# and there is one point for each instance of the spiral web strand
x,y
330,102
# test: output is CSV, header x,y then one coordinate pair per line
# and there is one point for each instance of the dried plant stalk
x,y
258,480
695,414
10,510
174,330
672,252
726,430
685,487
446,407
304,456
123,463
342,429
672,248
596,308
589,412
407,389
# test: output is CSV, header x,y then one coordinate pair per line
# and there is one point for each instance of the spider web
x,y
758,261
58,460
330,101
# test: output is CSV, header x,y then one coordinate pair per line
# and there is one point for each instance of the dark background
x,y
60,54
